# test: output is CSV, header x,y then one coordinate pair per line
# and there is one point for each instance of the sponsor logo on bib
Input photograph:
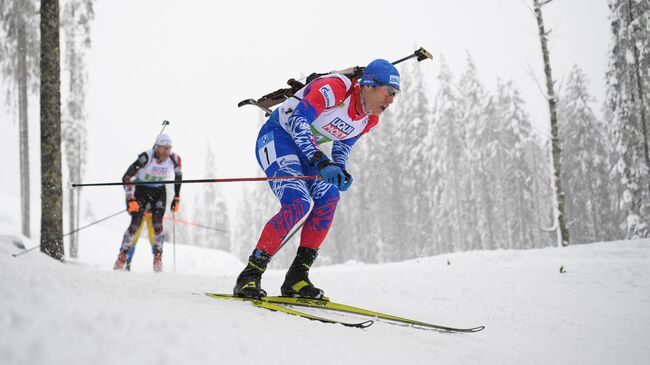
x,y
328,94
338,128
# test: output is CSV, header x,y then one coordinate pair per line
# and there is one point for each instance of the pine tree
x,y
585,163
616,188
19,54
512,173
387,171
486,141
542,193
447,159
210,210
415,116
472,107
628,81
75,23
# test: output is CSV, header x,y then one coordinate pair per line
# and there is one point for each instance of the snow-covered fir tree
x,y
512,172
210,210
75,22
19,63
628,82
414,114
447,159
472,105
585,164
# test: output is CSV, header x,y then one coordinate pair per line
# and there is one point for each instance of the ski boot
x,y
157,261
296,283
129,257
248,281
121,259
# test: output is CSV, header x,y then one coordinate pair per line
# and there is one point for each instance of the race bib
x,y
266,150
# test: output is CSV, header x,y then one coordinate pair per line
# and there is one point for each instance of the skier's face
x,y
379,98
163,152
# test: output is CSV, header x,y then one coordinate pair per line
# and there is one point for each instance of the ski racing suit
x,y
327,109
148,168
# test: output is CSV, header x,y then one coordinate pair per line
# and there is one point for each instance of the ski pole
x,y
95,222
195,224
26,251
174,239
286,239
69,233
234,179
296,229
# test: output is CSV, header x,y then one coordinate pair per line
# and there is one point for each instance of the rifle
x,y
279,96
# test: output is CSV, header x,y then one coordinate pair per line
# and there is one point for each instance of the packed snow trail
x,y
83,312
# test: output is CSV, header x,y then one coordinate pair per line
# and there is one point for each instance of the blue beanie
x,y
380,72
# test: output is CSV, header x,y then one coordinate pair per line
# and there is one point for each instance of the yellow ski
x,y
326,304
276,307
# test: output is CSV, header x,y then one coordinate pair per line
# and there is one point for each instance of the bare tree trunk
x,y
74,252
563,233
75,196
71,223
51,181
23,124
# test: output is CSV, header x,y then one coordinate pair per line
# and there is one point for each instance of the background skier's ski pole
x,y
95,222
76,230
26,251
174,239
195,224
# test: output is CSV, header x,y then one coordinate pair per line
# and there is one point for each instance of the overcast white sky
x,y
190,62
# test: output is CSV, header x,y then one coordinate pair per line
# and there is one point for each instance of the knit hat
x,y
163,140
380,72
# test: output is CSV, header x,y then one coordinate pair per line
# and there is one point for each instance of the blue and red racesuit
x,y
327,109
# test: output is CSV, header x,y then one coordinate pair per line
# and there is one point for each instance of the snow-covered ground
x,y
82,312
